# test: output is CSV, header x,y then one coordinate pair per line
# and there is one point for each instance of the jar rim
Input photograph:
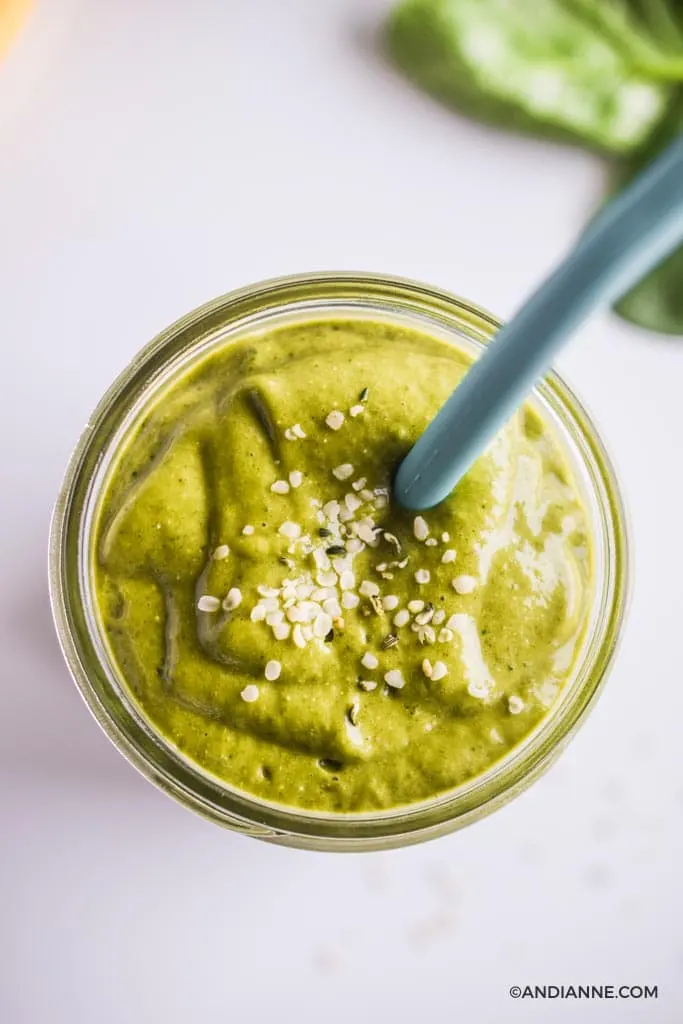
x,y
257,307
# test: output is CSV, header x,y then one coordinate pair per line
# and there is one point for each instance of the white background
x,y
154,154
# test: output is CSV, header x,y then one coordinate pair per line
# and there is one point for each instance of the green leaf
x,y
539,66
656,302
648,32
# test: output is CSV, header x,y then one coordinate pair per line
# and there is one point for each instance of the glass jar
x,y
265,306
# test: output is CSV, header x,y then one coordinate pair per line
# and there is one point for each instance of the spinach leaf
x,y
540,66
648,32
656,302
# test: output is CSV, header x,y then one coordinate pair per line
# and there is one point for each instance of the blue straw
x,y
633,234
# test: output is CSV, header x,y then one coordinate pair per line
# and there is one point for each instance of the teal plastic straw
x,y
631,235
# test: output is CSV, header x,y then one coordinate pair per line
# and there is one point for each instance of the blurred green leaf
x,y
540,66
656,302
601,73
648,32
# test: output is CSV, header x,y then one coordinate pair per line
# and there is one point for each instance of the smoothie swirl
x,y
285,624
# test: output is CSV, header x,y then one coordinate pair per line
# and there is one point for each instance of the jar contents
x,y
283,623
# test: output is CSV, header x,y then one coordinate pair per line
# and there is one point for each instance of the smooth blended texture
x,y
503,568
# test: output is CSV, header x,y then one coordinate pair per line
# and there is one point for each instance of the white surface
x,y
157,153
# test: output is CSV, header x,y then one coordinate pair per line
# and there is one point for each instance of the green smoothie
x,y
276,616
